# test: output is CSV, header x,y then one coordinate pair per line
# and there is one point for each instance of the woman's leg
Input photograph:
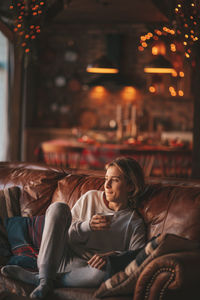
x,y
54,239
53,247
81,275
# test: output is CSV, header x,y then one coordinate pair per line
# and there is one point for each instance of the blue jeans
x,y
80,274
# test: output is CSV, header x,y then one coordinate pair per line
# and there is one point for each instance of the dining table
x,y
156,160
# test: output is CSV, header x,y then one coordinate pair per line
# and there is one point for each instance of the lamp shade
x,y
103,66
159,65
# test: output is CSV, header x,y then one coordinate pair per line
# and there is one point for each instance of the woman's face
x,y
116,187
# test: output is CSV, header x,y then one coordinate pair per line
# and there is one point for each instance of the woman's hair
x,y
133,174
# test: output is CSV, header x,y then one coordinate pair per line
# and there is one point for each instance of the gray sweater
x,y
127,230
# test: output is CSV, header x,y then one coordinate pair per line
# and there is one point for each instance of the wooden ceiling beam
x,y
55,8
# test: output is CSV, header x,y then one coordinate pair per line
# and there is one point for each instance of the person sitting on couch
x,y
74,255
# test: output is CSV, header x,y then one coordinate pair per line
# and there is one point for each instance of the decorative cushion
x,y
24,235
9,206
123,282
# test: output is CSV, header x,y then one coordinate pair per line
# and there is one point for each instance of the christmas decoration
x,y
28,16
184,27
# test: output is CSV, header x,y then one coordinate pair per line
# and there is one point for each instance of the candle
x,y
119,113
133,121
133,114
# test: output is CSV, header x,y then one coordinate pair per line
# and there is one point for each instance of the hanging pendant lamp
x,y
102,66
159,65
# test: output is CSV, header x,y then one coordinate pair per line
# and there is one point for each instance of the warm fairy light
x,y
181,74
144,44
171,89
154,50
158,32
140,48
143,38
26,19
173,93
155,37
181,93
173,47
174,74
152,89
185,25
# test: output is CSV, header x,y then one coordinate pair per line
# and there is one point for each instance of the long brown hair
x,y
134,176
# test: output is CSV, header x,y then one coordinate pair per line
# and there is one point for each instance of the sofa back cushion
x,y
71,187
172,209
36,182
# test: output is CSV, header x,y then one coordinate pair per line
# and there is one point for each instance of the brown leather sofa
x,y
168,206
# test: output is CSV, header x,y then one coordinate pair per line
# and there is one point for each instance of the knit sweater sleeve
x,y
82,212
138,237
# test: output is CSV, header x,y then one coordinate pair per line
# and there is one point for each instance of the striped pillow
x,y
24,235
123,282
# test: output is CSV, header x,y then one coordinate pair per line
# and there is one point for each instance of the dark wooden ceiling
x,y
110,11
98,11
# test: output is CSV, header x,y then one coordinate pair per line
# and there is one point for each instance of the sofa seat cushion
x,y
23,289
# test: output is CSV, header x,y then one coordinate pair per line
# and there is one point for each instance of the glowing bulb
x,y
144,44
171,89
140,48
173,47
180,93
174,74
181,74
143,38
152,89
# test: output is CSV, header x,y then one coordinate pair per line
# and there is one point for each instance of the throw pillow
x,y
123,282
24,235
9,206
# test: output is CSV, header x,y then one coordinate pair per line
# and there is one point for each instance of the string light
x,y
185,26
27,20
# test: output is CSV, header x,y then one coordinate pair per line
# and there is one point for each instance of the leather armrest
x,y
171,276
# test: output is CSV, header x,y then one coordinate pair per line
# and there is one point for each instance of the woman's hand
x,y
99,222
97,261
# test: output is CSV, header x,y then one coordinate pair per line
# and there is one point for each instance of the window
x,y
3,96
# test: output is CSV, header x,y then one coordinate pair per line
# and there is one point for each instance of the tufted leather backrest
x,y
164,207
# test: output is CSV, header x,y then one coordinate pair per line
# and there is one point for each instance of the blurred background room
x,y
84,81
